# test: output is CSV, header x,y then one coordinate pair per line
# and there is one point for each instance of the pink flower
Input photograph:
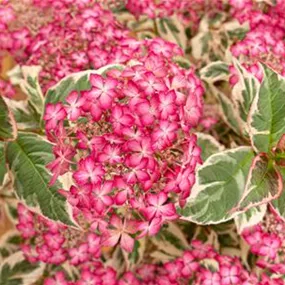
x,y
54,113
189,264
101,196
150,228
150,84
88,172
94,244
58,279
75,102
167,104
210,278
230,275
79,254
102,90
269,246
120,233
159,208
173,269
54,241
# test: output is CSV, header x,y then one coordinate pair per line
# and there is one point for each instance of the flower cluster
x,y
266,240
189,12
135,154
56,43
201,264
265,39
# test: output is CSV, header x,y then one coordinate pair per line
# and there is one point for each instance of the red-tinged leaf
x,y
264,184
280,152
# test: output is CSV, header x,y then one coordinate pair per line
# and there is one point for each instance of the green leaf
x,y
243,94
264,184
208,144
215,71
27,158
267,119
220,183
8,129
250,218
3,167
15,270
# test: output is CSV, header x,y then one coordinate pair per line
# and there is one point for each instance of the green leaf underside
x,y
263,184
3,167
208,144
219,186
27,158
8,130
267,120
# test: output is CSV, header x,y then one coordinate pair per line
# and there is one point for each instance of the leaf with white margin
x,y
228,112
8,128
243,94
215,71
171,29
266,117
3,167
264,184
170,240
26,116
250,218
9,243
16,270
27,158
278,205
219,186
30,85
208,144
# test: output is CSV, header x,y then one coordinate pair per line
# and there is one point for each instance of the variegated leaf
x,y
8,128
27,158
26,116
3,167
228,111
15,270
208,144
9,243
172,30
250,218
279,204
215,71
170,240
30,85
243,94
264,184
219,186
266,119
